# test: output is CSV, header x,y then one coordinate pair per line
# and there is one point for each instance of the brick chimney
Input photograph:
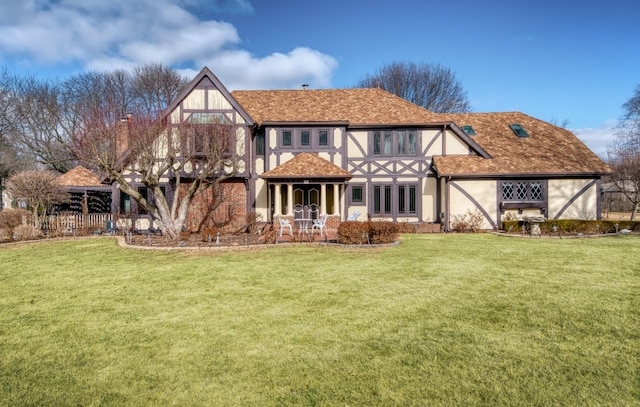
x,y
122,135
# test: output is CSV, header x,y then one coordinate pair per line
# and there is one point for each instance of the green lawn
x,y
438,320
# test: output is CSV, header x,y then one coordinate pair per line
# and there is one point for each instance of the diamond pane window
x,y
521,191
536,191
507,191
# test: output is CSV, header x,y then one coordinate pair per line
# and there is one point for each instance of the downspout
x,y
447,203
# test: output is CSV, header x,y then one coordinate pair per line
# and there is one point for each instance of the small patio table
x,y
303,224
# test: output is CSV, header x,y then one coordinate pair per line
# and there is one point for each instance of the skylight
x,y
519,130
469,130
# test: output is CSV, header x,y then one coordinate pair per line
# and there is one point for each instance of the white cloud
x,y
241,70
599,138
104,35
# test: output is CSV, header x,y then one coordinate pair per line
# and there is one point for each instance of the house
x,y
338,151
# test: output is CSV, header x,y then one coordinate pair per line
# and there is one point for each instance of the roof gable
x,y
205,76
307,165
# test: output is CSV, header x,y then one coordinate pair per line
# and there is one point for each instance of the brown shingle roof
x,y
362,106
548,149
307,165
79,177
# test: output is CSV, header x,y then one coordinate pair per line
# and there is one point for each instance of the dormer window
x,y
469,130
519,130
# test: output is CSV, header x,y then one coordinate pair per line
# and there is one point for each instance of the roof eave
x,y
303,177
523,175
273,123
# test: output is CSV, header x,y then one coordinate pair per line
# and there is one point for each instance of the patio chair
x,y
320,224
298,212
313,211
354,216
285,224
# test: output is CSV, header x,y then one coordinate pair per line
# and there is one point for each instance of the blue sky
x,y
555,60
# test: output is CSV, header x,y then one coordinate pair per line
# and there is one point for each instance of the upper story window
x,y
395,142
323,137
259,144
286,138
209,118
212,138
304,138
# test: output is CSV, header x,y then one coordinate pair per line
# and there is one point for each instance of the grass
x,y
439,320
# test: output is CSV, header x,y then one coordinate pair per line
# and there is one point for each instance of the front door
x,y
306,201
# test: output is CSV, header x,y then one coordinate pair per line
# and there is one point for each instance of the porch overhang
x,y
307,166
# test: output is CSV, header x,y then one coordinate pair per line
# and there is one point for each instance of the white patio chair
x,y
320,224
313,212
354,216
285,224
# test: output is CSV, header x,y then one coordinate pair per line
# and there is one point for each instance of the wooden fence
x,y
77,222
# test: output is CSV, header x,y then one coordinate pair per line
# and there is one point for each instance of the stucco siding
x,y
432,142
217,101
474,196
262,199
195,99
573,199
454,145
429,194
357,144
272,138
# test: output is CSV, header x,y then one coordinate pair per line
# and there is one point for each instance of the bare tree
x,y
623,154
37,128
175,161
431,86
11,160
154,87
39,189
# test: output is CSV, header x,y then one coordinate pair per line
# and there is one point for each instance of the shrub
x,y
208,233
252,220
353,232
370,232
571,226
26,232
383,232
469,222
269,234
11,219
